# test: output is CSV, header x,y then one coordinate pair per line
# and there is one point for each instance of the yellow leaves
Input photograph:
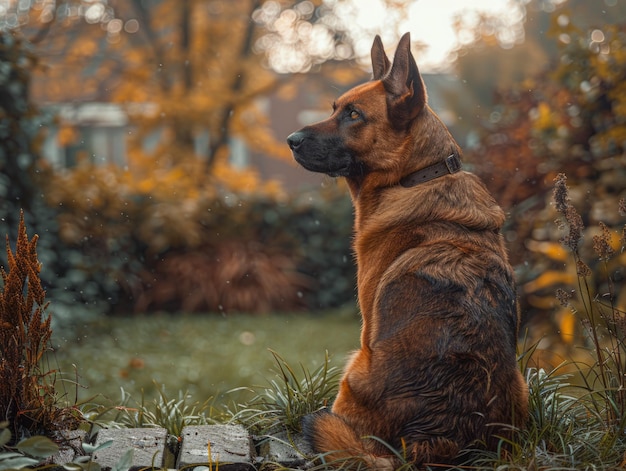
x,y
246,181
567,323
85,47
616,133
540,291
252,125
164,204
549,279
146,185
288,91
165,184
553,250
543,117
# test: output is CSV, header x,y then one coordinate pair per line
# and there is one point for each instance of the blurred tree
x,y
512,92
492,57
20,130
197,68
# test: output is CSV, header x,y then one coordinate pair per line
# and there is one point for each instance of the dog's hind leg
x,y
336,441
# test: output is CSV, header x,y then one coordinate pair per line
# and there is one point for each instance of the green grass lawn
x,y
574,422
204,355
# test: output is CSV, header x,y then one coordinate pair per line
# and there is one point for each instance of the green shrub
x,y
213,251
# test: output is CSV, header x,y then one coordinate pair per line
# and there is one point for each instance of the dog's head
x,y
370,128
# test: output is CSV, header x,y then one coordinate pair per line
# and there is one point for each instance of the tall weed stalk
x,y
604,323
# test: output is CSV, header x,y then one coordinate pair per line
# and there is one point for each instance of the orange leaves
x,y
164,204
543,118
245,181
567,322
549,279
553,250
66,136
253,126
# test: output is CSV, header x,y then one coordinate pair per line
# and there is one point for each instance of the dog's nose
x,y
295,139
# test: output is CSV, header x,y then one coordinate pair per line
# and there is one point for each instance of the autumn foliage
x,y
569,120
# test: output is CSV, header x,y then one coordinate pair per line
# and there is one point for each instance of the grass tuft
x,y
172,414
289,397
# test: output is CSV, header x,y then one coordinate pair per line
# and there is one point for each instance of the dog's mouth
x,y
333,169
323,155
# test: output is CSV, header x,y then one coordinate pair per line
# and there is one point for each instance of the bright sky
x,y
295,43
431,22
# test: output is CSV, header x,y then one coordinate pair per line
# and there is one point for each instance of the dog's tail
x,y
337,442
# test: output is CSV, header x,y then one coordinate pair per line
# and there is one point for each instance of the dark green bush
x,y
218,251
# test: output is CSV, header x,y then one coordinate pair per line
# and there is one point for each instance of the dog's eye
x,y
354,114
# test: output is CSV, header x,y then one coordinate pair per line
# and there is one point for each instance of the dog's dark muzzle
x,y
323,153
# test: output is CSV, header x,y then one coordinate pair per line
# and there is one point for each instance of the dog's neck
x,y
450,165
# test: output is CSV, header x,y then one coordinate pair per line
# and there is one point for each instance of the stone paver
x,y
289,451
148,445
202,448
70,446
230,447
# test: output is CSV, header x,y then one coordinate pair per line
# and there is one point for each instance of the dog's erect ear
x,y
380,62
406,94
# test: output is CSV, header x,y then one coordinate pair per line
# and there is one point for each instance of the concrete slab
x,y
226,446
148,445
283,449
70,446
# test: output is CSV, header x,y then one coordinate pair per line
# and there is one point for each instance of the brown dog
x,y
437,367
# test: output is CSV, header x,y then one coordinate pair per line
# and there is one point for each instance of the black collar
x,y
451,164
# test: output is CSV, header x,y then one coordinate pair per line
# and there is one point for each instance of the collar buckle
x,y
453,163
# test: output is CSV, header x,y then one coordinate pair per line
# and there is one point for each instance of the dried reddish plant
x,y
24,336
232,277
